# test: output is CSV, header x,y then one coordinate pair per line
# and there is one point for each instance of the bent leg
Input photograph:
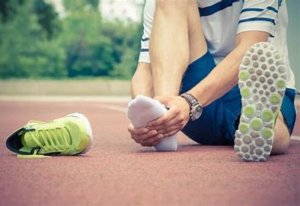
x,y
176,40
282,137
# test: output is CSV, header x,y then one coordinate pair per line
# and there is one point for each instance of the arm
x,y
216,84
257,22
225,75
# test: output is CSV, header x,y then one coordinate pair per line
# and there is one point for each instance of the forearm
x,y
222,78
225,75
142,82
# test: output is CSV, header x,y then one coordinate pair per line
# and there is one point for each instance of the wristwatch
x,y
195,107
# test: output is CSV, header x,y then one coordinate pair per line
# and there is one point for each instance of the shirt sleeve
x,y
257,15
149,11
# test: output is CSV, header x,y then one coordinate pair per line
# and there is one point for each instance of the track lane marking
x,y
113,107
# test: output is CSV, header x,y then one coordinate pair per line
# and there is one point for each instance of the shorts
x,y
220,119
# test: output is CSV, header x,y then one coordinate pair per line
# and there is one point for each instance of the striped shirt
x,y
223,19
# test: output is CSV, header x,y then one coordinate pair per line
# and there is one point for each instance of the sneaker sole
x,y
262,80
88,129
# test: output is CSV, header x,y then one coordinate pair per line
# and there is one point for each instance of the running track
x,y
116,171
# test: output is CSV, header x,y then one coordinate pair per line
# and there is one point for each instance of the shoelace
x,y
33,156
52,139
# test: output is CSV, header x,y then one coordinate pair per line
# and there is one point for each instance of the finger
x,y
171,114
171,123
157,141
150,135
137,131
145,137
135,139
178,121
169,134
170,131
153,140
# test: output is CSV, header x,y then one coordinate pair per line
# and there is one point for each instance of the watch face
x,y
196,112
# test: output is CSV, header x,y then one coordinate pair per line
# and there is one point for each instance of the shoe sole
x,y
262,80
88,129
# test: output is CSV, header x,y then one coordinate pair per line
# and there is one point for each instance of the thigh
x,y
205,129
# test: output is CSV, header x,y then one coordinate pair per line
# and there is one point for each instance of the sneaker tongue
x,y
28,141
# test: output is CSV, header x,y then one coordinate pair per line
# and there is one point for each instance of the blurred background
x,y
81,42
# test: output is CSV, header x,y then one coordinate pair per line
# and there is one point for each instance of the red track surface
x,y
116,171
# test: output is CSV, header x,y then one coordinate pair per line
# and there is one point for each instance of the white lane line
x,y
113,107
295,138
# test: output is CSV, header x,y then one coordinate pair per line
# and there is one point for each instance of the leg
x,y
142,81
285,123
176,40
281,138
166,73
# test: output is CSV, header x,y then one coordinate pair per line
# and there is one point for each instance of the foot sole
x,y
262,80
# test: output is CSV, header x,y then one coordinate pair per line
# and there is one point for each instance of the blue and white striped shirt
x,y
223,19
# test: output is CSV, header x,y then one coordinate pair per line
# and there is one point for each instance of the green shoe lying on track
x,y
69,135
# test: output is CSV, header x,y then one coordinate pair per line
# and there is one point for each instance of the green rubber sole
x,y
262,80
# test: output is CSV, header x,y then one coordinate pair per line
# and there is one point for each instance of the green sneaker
x,y
69,135
262,80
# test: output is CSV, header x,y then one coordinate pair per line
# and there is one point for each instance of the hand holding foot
x,y
174,119
144,136
141,111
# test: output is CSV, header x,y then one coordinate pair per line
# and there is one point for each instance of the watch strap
x,y
190,99
195,107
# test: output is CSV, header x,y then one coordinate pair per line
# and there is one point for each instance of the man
x,y
192,64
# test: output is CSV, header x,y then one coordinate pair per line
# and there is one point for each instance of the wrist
x,y
201,94
195,107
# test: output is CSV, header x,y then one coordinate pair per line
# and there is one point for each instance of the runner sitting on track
x,y
193,64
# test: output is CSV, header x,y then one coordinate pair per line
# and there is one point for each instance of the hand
x,y
174,119
145,136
